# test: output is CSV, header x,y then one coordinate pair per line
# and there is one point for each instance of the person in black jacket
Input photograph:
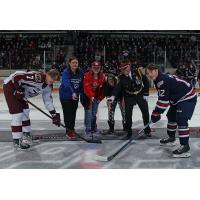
x,y
134,86
109,87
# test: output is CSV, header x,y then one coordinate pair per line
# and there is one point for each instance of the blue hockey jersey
x,y
71,83
171,91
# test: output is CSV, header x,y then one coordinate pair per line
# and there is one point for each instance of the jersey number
x,y
161,93
30,77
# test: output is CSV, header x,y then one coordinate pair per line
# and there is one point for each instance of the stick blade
x,y
101,158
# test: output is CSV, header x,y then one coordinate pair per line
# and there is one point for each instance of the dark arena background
x,y
172,51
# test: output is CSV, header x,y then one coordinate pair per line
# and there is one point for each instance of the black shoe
x,y
182,152
108,132
169,142
129,135
111,127
124,127
20,145
147,132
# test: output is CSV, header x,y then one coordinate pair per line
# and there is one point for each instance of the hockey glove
x,y
155,117
19,94
56,119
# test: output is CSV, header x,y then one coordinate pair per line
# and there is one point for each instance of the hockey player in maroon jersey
x,y
182,98
20,86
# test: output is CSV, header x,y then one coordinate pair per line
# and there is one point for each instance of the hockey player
x,y
182,98
110,84
134,86
19,86
70,89
93,84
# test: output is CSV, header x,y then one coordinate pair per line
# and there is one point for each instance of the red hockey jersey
x,y
33,83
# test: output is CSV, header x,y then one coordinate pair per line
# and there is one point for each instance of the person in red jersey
x,y
20,86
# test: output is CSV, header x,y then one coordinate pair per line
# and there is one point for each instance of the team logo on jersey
x,y
160,83
76,86
38,78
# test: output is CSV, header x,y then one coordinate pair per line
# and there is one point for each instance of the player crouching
x,y
19,86
182,99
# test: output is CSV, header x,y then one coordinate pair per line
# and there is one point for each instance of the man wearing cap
x,y
134,86
93,84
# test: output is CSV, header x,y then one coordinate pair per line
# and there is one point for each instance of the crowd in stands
x,y
143,49
27,52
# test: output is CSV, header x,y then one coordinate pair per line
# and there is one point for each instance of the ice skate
x,y
27,138
19,145
168,142
182,152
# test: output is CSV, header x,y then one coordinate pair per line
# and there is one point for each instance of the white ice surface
x,y
102,114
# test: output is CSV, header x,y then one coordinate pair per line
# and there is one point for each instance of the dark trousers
x,y
69,112
129,104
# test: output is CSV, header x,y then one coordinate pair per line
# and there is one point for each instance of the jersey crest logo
x,y
160,83
38,78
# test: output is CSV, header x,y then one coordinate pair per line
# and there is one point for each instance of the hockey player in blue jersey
x,y
182,98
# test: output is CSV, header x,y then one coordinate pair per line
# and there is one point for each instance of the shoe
x,y
108,132
182,152
124,127
168,142
129,135
96,131
111,128
147,132
88,134
20,145
71,134
27,138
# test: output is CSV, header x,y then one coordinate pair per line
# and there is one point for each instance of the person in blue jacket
x,y
70,89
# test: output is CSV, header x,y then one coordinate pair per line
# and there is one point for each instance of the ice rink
x,y
77,154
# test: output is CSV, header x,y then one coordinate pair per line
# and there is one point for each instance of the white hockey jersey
x,y
33,83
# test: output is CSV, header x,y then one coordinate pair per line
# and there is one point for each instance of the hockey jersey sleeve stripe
x,y
161,107
162,104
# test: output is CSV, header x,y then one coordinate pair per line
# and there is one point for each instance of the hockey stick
x,y
49,116
109,158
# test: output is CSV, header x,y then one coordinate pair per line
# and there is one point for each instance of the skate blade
x,y
23,150
170,144
184,155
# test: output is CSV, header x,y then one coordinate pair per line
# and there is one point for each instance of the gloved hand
x,y
146,98
155,117
110,99
56,119
19,94
74,96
